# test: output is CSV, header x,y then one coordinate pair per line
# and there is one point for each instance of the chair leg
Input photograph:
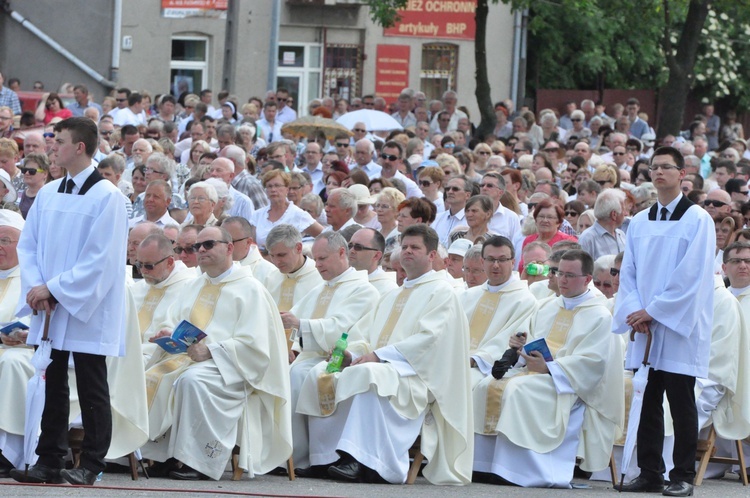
x,y
414,469
290,469
613,470
706,449
133,466
741,462
236,469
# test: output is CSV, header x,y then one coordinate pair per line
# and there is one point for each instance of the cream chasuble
x,y
263,270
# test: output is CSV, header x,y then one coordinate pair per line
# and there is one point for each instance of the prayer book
x,y
541,346
7,329
185,335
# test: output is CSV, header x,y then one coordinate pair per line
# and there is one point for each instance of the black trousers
x,y
681,397
96,413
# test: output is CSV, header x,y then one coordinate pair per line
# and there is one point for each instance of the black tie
x,y
69,186
663,214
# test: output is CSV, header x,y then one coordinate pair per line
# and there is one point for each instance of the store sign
x,y
180,9
436,19
391,71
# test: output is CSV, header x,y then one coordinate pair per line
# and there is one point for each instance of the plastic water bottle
x,y
535,269
337,357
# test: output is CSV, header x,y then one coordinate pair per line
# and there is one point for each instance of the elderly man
x,y
473,267
6,122
366,249
165,279
416,364
457,193
605,237
503,222
718,202
363,152
224,169
390,159
183,247
230,388
246,251
137,235
156,200
450,99
319,319
404,116
243,181
34,143
531,428
340,209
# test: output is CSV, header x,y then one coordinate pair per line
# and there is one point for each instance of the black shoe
x,y
79,476
642,485
278,471
313,472
371,476
5,472
38,474
188,474
350,471
678,488
162,469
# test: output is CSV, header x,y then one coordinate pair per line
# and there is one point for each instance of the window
x,y
188,67
439,69
299,71
343,70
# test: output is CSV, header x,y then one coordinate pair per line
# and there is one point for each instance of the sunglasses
x,y
49,135
575,120
187,250
453,189
32,171
717,204
207,244
121,100
618,153
360,247
389,157
342,145
150,266
359,130
484,153
281,99
614,272
425,183
571,213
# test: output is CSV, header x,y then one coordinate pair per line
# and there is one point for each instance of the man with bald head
x,y
366,248
243,181
34,143
363,152
229,387
223,169
718,202
136,235
142,150
183,246
246,251
360,131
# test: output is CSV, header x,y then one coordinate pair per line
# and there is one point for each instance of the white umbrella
x,y
640,379
35,396
372,119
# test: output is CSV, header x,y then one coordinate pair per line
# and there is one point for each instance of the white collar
x,y
572,302
217,280
498,288
408,284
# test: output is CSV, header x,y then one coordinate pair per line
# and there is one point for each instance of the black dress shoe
x,y
5,472
678,488
642,485
313,472
79,476
350,471
162,469
38,474
278,471
188,474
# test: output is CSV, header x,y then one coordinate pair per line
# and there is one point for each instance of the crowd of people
x,y
440,253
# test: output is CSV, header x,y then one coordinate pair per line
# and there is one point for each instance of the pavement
x,y
120,485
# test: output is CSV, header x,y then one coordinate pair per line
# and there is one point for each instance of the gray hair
x,y
164,163
114,161
144,141
604,263
162,243
644,191
222,192
208,188
609,200
541,245
474,252
314,201
442,251
234,154
335,241
284,234
248,230
370,145
549,117
692,160
346,199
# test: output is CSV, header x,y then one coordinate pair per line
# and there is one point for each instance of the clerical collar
x,y
178,267
217,280
377,272
572,302
670,207
335,280
734,290
498,288
7,273
411,283
81,177
296,272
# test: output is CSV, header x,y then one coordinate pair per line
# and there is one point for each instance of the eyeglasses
x,y
38,87
359,130
736,261
492,261
614,272
32,171
709,202
51,135
6,241
518,151
552,149
152,170
150,266
546,218
294,189
207,244
360,247
197,199
121,100
342,145
575,120
449,145
664,167
488,185
568,275
425,183
618,153
453,189
553,270
381,206
571,213
187,250
281,99
239,240
275,186
389,157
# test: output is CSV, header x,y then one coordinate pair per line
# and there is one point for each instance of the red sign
x,y
436,19
391,71
180,9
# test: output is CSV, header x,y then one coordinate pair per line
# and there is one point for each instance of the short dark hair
x,y
205,91
128,130
134,98
428,234
734,185
81,88
420,207
81,130
734,246
126,91
633,101
392,144
728,165
499,241
167,98
587,262
671,152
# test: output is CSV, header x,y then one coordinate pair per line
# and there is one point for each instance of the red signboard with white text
x,y
391,71
436,19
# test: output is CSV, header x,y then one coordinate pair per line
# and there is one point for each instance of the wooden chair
x,y
707,453
237,470
416,464
75,442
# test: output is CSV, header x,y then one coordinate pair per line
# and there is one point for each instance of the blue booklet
x,y
7,329
541,346
186,334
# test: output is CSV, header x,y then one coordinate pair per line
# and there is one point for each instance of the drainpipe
x,y
114,71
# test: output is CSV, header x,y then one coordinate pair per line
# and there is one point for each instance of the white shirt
x,y
298,218
445,222
162,222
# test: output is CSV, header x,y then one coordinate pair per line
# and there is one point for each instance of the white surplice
x,y
298,283
263,270
383,281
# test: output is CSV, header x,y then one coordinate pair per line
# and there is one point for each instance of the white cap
x,y
12,195
460,247
9,218
648,139
362,194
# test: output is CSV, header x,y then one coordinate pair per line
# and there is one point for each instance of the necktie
x,y
663,214
69,186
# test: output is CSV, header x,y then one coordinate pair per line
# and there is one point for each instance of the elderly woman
x,y
548,218
430,182
51,106
313,205
602,278
478,211
280,210
550,130
386,207
645,196
299,186
415,146
578,119
35,171
249,133
202,199
225,199
415,210
377,185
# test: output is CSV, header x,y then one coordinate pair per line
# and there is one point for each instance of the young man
x,y
666,289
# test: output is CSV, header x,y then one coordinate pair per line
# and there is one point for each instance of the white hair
x,y
608,200
222,192
209,189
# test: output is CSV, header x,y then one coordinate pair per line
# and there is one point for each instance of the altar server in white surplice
x,y
164,281
320,318
364,419
247,252
536,425
230,388
72,252
667,289
366,249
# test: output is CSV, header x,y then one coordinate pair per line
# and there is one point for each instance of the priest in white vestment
x,y
366,248
230,388
319,319
542,415
247,252
164,280
364,419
